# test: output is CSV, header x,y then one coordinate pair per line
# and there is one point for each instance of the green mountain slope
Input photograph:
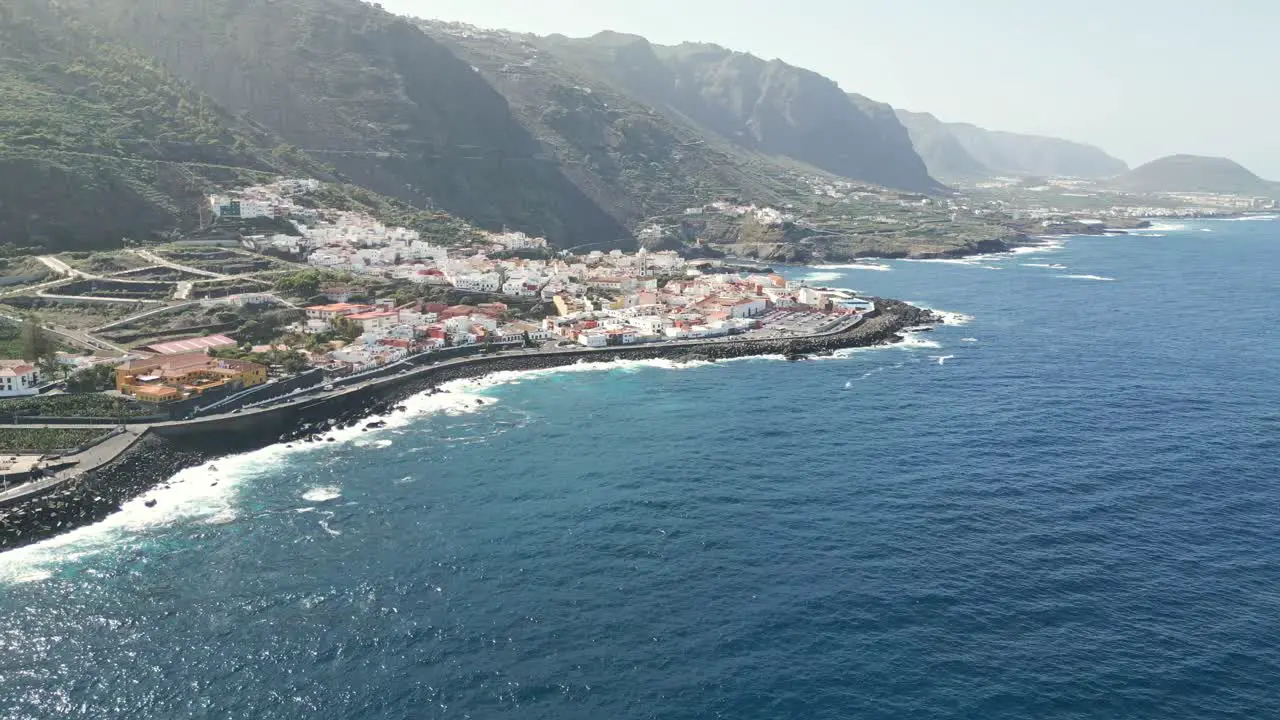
x,y
765,106
629,158
1194,173
367,92
961,150
98,142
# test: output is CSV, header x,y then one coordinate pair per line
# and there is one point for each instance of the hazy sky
x,y
1140,78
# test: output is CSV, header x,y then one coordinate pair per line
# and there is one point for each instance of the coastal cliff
x,y
164,450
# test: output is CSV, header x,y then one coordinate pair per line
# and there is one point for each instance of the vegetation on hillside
x,y
627,156
99,142
94,378
367,92
90,405
48,440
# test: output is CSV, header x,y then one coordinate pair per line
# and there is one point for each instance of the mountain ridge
x,y
964,150
764,105
372,95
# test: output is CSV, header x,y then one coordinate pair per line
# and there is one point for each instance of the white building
x,y
482,282
519,287
377,322
749,307
17,378
594,338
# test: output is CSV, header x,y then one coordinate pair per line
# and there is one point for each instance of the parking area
x,y
785,323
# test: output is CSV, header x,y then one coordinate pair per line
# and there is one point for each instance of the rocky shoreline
x,y
164,451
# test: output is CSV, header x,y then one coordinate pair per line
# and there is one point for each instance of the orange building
x,y
167,378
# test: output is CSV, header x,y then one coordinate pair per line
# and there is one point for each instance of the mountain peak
x,y
612,38
1195,173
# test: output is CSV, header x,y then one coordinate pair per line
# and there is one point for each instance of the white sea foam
x,y
942,359
1051,266
207,495
947,261
823,276
204,494
1088,277
878,267
1160,227
1252,218
954,318
201,494
223,517
948,317
20,577
1206,229
322,494
1053,244
969,340
324,524
910,341
782,358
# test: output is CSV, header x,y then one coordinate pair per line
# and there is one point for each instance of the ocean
x,y
1064,505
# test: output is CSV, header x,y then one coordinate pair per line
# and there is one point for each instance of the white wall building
x,y
481,282
17,378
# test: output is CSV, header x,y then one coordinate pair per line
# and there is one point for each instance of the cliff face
x,y
961,150
629,158
765,106
370,94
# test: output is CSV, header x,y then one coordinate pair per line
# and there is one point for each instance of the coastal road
x,y
84,339
64,269
148,313
179,306
101,299
37,289
154,258
79,338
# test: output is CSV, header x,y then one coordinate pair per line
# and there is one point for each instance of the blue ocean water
x,y
1066,507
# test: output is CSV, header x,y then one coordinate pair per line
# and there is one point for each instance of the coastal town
x,y
208,326
285,295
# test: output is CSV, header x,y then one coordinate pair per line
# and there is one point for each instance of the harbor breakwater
x,y
164,449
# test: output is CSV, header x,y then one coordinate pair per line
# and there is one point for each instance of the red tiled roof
x,y
15,368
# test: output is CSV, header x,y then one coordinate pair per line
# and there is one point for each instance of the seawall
x,y
166,448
